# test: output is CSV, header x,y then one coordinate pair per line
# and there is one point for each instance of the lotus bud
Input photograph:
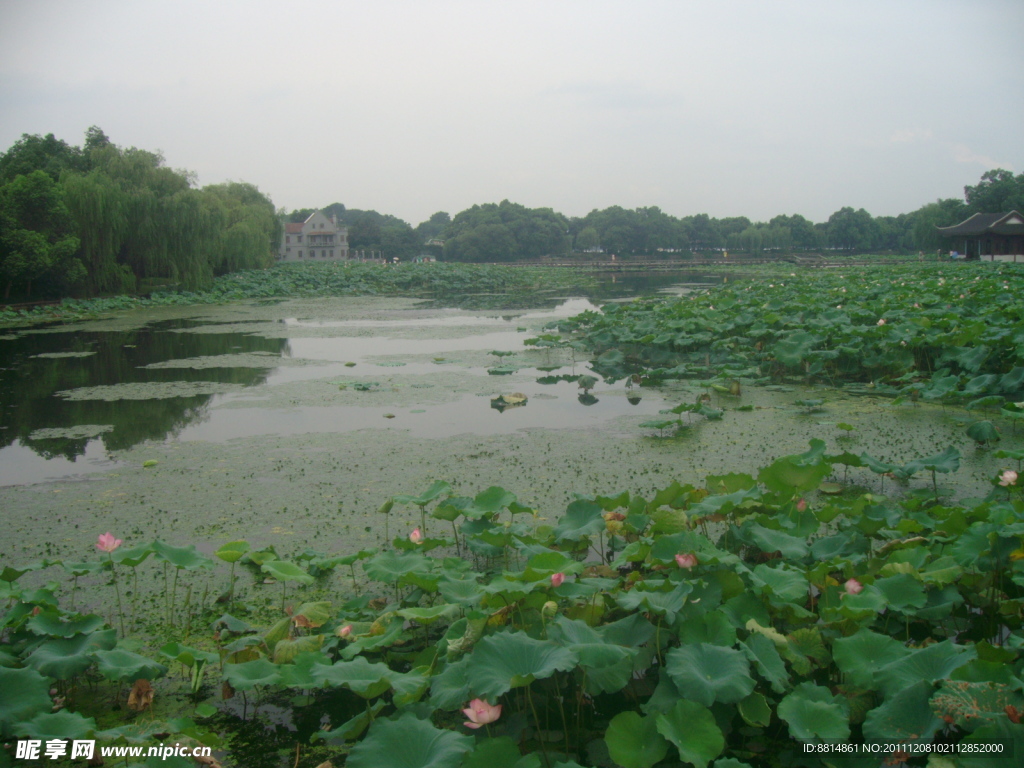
x,y
344,632
801,505
416,536
853,587
686,561
557,579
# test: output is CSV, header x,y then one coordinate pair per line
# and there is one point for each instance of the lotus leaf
x,y
181,557
285,571
246,676
63,659
693,730
634,742
232,551
26,694
905,716
582,518
58,725
366,679
814,715
408,742
929,664
125,665
509,660
860,654
55,624
763,653
708,673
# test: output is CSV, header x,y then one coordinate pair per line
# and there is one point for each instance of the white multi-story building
x,y
318,238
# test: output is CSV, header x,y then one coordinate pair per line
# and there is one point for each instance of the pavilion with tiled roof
x,y
988,236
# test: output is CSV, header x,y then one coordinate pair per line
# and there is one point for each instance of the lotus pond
x,y
702,529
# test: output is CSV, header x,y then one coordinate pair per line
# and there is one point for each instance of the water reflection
x,y
45,434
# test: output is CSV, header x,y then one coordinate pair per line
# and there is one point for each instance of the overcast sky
x,y
732,108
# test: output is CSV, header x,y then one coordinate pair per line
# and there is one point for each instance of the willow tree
x,y
100,209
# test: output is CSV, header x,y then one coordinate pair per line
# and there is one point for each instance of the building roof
x,y
293,228
1011,223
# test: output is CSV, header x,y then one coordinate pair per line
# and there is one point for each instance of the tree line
x,y
505,231
102,219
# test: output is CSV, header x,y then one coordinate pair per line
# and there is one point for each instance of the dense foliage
x,y
935,331
105,219
326,279
740,623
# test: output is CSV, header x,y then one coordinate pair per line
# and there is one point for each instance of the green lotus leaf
x,y
352,728
183,654
360,676
427,616
770,540
125,665
929,664
797,474
814,715
282,570
286,650
608,668
692,728
133,733
314,614
945,462
58,725
509,660
634,742
664,603
983,432
904,717
408,742
463,591
708,673
55,624
10,574
63,659
246,676
232,551
795,348
300,672
762,651
501,752
902,592
186,557
755,711
582,518
132,557
83,569
494,499
860,654
26,694
388,567
781,583
436,489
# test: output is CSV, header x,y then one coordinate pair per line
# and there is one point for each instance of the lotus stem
x,y
536,720
117,591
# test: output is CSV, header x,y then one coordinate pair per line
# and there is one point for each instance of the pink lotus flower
x,y
345,631
853,587
480,713
1008,478
917,306
107,543
416,536
881,321
801,505
687,560
556,581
